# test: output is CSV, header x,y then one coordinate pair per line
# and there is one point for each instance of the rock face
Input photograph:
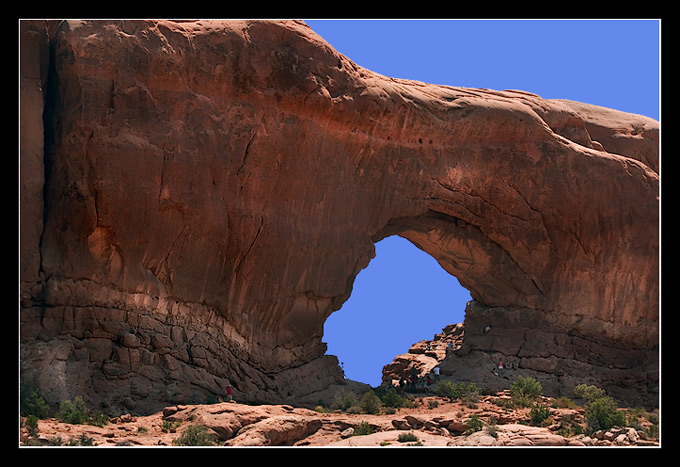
x,y
425,355
198,197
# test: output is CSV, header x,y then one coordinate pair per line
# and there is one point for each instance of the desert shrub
x,y
370,403
524,391
170,426
602,414
74,412
364,428
563,403
635,417
321,409
652,431
34,404
196,435
407,438
98,418
568,431
653,418
392,399
82,440
569,425
469,393
588,393
538,414
601,411
503,403
344,400
31,425
445,389
492,428
473,424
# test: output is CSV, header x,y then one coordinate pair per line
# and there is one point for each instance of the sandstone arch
x,y
213,188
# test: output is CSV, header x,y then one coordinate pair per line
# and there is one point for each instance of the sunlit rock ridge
x,y
198,197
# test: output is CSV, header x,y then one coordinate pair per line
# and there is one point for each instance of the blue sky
x,y
404,296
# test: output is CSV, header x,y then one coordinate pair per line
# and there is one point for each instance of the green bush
x,y
492,428
588,393
196,435
524,391
344,400
31,425
504,403
364,428
652,431
635,418
322,409
602,414
454,391
82,440
74,412
445,389
392,399
34,404
407,438
473,424
563,403
538,414
370,403
170,426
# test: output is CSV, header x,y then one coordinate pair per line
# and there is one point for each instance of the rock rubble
x,y
237,425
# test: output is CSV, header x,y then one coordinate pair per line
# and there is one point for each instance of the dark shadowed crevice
x,y
49,118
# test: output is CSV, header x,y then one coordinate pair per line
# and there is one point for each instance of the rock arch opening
x,y
403,297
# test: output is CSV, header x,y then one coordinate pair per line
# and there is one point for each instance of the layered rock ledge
x,y
198,197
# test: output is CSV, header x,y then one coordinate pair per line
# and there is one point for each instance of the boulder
x,y
276,431
512,435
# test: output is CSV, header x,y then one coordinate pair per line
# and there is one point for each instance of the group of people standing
x,y
417,383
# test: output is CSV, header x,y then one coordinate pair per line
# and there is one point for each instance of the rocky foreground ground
x,y
433,421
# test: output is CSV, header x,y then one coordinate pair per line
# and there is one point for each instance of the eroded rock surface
x,y
197,198
434,422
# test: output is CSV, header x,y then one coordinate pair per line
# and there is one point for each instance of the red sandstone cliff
x,y
197,198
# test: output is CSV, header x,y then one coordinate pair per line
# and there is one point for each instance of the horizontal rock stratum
x,y
198,197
